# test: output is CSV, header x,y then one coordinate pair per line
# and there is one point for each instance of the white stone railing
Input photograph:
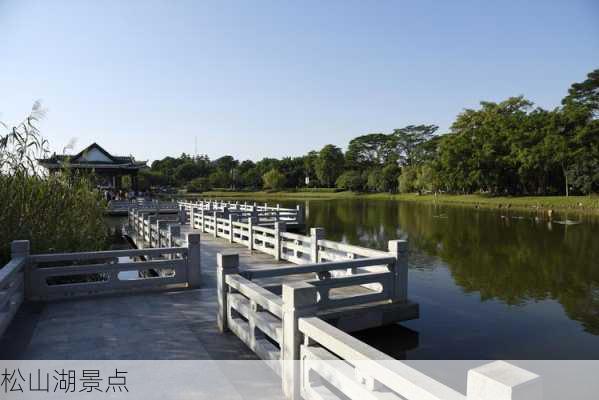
x,y
123,206
43,277
332,358
155,230
257,315
237,211
312,356
12,283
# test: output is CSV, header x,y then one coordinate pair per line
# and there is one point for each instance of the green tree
x,y
329,165
187,171
199,185
408,179
220,179
274,179
350,180
375,181
390,174
409,142
370,150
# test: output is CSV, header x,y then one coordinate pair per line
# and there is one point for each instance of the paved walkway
x,y
155,325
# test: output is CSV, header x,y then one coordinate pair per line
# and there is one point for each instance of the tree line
x,y
510,147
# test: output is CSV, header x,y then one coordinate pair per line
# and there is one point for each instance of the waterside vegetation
x,y
55,213
507,148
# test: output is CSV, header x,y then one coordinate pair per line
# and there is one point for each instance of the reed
x,y
56,213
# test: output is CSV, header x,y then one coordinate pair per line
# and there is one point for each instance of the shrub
x,y
408,180
274,179
198,185
375,181
350,180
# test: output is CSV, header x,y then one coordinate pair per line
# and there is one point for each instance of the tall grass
x,y
56,213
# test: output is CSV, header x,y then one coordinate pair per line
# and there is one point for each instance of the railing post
x,y
18,249
226,264
279,227
151,221
500,380
399,250
182,214
215,214
202,220
315,235
173,231
299,300
251,222
192,217
231,237
301,214
161,225
254,211
194,270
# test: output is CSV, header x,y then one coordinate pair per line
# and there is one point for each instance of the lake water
x,y
492,284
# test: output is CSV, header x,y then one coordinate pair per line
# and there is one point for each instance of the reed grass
x,y
60,212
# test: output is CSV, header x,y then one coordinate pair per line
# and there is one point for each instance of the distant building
x,y
108,170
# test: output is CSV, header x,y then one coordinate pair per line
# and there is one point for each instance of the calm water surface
x,y
491,284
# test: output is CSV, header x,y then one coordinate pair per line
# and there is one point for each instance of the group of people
x,y
120,194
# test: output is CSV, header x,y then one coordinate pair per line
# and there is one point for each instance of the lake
x,y
492,284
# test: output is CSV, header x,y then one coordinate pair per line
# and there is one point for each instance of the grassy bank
x,y
585,204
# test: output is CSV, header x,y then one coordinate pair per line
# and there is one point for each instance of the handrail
x,y
257,273
51,257
343,247
14,266
261,296
397,376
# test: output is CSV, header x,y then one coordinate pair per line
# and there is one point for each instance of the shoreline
x,y
578,204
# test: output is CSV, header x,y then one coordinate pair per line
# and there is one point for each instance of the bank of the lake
x,y
577,204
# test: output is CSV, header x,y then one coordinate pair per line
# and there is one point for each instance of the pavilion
x,y
108,169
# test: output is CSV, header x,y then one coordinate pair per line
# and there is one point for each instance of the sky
x,y
258,79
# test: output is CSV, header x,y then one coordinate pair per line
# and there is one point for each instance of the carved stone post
x,y
279,227
251,223
399,250
299,300
226,264
194,270
315,235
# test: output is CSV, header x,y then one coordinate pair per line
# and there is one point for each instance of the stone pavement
x,y
178,324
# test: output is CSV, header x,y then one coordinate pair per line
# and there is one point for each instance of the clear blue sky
x,y
276,78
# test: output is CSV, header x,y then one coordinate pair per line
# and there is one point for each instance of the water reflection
x,y
535,276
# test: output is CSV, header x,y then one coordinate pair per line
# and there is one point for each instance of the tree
x,y
585,95
199,185
220,179
310,167
225,163
148,178
293,169
407,179
350,180
375,181
274,179
329,165
371,150
187,171
251,179
409,142
390,173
